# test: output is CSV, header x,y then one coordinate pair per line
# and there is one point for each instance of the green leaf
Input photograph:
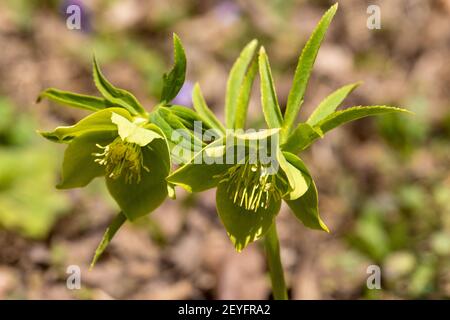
x,y
343,116
202,108
304,68
306,208
304,134
192,121
139,199
98,121
330,103
79,166
235,81
244,96
116,96
298,181
172,123
75,100
204,171
187,116
260,135
174,80
186,144
243,226
132,132
115,225
269,100
301,138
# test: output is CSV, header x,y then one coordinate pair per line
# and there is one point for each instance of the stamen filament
x,y
249,183
121,158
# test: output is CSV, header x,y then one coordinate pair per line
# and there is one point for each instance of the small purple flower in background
x,y
227,12
184,97
76,15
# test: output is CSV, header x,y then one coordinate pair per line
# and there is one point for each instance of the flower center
x,y
252,186
121,157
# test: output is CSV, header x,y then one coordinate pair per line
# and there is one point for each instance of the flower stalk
x,y
272,248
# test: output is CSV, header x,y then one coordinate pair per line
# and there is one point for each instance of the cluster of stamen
x,y
122,158
252,186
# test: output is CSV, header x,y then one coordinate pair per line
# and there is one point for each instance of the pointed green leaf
x,y
195,124
269,100
116,96
301,138
204,171
262,134
244,95
243,226
173,140
304,67
202,108
306,208
74,100
174,123
79,166
98,121
304,134
139,199
330,103
187,116
343,116
235,80
115,225
174,80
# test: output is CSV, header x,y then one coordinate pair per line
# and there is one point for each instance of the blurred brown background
x,y
384,183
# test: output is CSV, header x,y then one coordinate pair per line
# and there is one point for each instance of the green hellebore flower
x,y
248,198
250,188
129,152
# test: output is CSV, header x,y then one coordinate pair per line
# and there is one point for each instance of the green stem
x,y
272,246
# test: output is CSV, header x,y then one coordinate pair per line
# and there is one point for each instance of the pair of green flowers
x,y
133,148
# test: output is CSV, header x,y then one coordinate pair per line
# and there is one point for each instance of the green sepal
x,y
98,121
138,199
243,226
297,179
134,132
79,166
306,207
204,171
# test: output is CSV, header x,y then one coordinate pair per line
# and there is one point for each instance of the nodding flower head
x,y
122,158
252,185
